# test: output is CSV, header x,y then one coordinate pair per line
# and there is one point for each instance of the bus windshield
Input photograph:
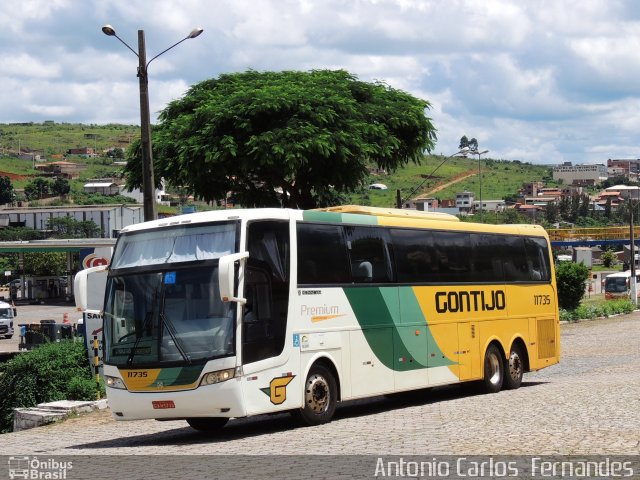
x,y
615,284
162,301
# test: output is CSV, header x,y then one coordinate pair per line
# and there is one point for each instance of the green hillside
x,y
50,140
500,178
56,138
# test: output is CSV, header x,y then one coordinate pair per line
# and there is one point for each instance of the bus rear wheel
x,y
514,369
493,370
320,397
207,424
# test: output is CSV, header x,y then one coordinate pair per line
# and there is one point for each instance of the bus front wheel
x,y
207,424
493,369
320,397
514,368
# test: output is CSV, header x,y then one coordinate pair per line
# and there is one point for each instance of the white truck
x,y
7,314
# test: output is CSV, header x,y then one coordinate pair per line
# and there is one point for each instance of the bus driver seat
x,y
363,272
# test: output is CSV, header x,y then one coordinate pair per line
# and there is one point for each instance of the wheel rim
x,y
317,394
493,368
515,366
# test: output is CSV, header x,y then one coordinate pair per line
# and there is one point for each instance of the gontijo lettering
x,y
468,301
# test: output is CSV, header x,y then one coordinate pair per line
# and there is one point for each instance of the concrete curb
x,y
45,413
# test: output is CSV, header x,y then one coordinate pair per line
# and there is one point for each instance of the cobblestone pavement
x,y
588,404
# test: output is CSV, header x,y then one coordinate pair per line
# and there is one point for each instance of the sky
x,y
545,81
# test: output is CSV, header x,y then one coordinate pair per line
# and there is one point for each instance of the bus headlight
x,y
217,377
115,382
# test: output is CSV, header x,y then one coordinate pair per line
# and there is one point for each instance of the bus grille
x,y
546,338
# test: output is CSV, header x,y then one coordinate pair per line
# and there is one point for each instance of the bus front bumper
x,y
218,400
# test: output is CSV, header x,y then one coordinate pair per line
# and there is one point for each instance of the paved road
x,y
35,313
588,404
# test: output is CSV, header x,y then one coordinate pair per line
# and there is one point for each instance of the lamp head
x,y
108,30
194,33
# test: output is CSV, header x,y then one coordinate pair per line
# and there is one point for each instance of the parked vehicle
x,y
7,314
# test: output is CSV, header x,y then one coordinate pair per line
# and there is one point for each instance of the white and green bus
x,y
224,314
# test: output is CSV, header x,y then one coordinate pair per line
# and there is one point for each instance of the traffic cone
x,y
65,318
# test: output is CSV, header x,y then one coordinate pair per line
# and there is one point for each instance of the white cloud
x,y
539,81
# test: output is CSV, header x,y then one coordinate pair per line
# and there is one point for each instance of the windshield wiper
x,y
145,325
174,336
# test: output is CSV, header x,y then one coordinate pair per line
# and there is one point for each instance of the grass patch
x,y
597,307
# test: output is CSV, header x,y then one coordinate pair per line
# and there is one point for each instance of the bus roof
x,y
390,212
350,214
625,274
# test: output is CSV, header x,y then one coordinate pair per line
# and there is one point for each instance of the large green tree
x,y
284,138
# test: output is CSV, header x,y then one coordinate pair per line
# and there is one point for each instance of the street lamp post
x,y
399,201
480,176
148,183
633,286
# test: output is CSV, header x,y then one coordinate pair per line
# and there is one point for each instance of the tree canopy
x,y
284,138
7,194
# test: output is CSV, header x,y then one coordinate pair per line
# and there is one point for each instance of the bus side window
x,y
537,259
322,255
370,254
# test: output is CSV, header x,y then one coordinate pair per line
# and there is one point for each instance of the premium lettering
x,y
319,310
470,301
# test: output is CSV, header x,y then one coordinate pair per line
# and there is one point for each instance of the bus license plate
x,y
161,404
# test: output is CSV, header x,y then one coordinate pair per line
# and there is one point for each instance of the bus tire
x,y
320,397
514,369
493,369
207,424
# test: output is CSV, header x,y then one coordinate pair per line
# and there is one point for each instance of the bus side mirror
x,y
226,276
89,286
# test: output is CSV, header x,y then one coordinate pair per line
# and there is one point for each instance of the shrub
x,y
571,279
609,258
81,388
53,371
567,315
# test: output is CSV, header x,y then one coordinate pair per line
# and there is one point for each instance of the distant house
x,y
84,151
63,169
531,189
422,204
489,205
464,201
612,197
530,210
161,195
105,188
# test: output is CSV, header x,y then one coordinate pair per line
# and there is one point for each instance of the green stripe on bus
x,y
377,309
333,217
177,376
